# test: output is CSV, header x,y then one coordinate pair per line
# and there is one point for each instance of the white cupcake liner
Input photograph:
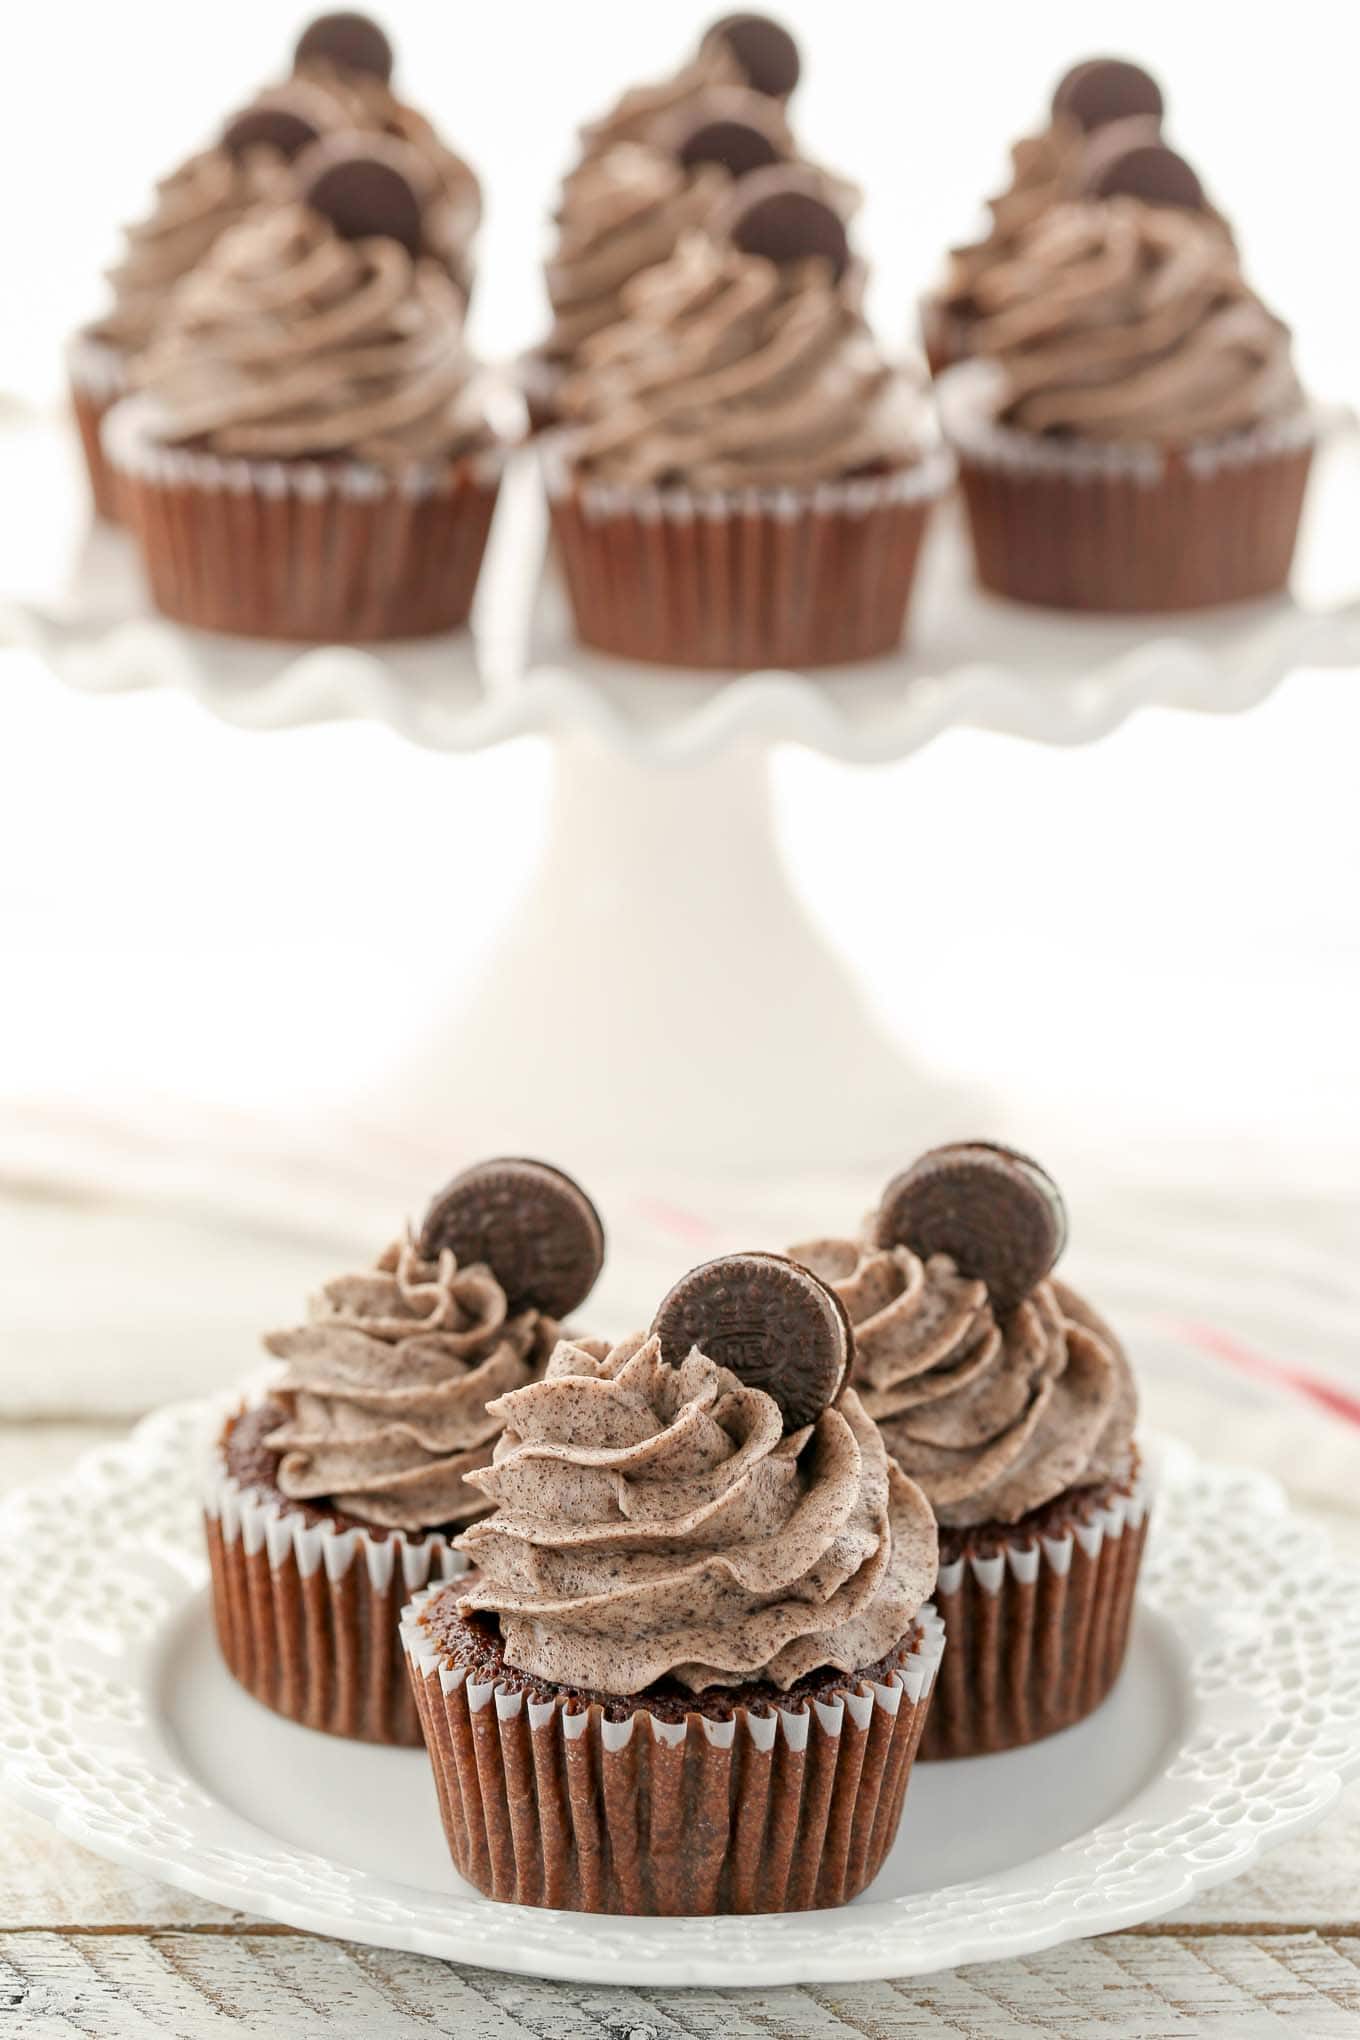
x,y
96,367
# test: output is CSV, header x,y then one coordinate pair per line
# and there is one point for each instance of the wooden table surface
x,y
88,1949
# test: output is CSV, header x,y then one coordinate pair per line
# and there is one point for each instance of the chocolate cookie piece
x,y
731,127
771,1322
766,52
1126,163
1105,89
532,1226
349,41
781,215
268,127
363,189
995,1212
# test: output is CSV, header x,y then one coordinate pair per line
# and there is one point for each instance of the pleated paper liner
x,y
780,577
1038,1629
98,378
302,550
547,1803
308,1614
1125,530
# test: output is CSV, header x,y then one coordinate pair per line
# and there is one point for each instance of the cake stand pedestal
x,y
660,990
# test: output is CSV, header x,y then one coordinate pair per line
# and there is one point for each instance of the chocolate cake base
x,y
735,1800
1037,1613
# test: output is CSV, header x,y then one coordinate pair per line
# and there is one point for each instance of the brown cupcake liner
x,y
546,1804
308,1614
301,550
673,577
98,380
1125,530
1038,1629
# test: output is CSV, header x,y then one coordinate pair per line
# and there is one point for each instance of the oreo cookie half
x,y
768,1320
268,127
362,187
781,215
1105,89
529,1223
766,52
352,42
997,1214
1124,161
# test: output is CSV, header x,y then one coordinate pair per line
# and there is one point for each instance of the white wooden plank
x,y
1128,1987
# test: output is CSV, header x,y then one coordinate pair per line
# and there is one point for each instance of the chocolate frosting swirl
x,y
646,112
387,1388
992,1418
655,1521
1045,169
193,208
1120,321
290,341
729,371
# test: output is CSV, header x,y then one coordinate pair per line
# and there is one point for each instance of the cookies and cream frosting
x,y
1045,169
992,1416
1116,320
645,112
731,371
386,1388
290,341
654,1521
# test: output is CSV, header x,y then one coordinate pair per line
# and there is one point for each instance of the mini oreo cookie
x,y
781,215
268,127
1105,89
532,1226
362,187
1138,166
996,1213
351,42
772,1322
766,52
729,130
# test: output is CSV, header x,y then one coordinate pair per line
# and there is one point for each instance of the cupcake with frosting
x,y
1100,108
691,1666
1131,434
744,479
1013,1406
309,455
339,1487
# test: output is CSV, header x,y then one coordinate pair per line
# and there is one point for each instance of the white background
x,y
1152,947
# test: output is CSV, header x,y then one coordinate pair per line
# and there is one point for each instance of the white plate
x,y
74,595
1236,1721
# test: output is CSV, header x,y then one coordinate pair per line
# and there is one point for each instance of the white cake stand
x,y
696,1014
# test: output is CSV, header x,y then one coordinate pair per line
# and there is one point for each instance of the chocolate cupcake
x,y
1013,1406
746,479
692,1666
1131,436
340,1488
309,455
1100,105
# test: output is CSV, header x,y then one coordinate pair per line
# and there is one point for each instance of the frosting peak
x,y
290,342
993,1416
655,1521
387,1386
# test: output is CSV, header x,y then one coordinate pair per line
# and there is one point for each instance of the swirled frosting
x,y
992,1418
387,1388
645,112
1045,169
654,1520
729,371
290,341
1123,321
193,208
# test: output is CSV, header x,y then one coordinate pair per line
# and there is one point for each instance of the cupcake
x,y
1012,1405
691,1668
744,479
309,454
339,1488
1131,435
1100,104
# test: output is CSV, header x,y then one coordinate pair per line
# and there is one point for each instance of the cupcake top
x,y
1117,320
322,327
662,1515
749,50
1101,110
386,1387
627,208
994,1386
745,360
